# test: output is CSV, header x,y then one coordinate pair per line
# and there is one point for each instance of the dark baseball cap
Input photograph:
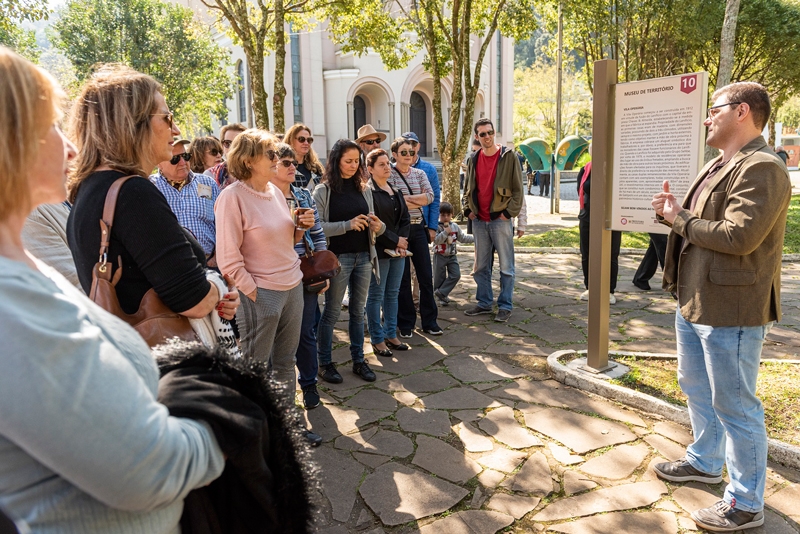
x,y
412,136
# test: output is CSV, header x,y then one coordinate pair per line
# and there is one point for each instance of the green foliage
x,y
157,38
535,103
791,240
789,113
13,12
21,41
363,25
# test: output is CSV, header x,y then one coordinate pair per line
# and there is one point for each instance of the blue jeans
x,y
307,365
385,295
717,370
356,272
497,234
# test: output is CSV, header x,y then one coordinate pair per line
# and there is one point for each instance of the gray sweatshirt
x,y
446,237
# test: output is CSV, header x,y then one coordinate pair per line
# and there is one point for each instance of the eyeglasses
x,y
270,154
408,152
214,152
484,134
177,157
169,117
287,163
371,142
713,110
302,140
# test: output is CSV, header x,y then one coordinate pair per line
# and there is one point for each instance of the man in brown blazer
x,y
723,264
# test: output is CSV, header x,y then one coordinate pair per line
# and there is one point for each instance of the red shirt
x,y
485,173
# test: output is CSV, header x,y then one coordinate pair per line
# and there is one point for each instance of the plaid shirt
x,y
195,213
419,184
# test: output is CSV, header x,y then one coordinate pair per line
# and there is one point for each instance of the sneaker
x,y
310,397
441,296
477,310
502,316
585,295
720,517
682,471
315,440
407,334
329,374
612,299
435,331
362,369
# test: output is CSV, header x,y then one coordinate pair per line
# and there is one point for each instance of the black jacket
x,y
397,224
268,479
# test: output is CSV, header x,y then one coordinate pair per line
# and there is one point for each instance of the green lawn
x,y
569,237
778,388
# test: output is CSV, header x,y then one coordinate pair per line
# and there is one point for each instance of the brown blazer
x,y
729,272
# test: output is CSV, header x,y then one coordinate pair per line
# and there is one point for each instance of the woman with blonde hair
x,y
84,445
256,235
123,127
205,152
309,168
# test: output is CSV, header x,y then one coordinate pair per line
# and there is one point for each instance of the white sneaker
x,y
612,299
585,295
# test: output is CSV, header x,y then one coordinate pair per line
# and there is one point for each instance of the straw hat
x,y
366,131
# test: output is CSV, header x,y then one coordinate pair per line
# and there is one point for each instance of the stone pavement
x,y
466,433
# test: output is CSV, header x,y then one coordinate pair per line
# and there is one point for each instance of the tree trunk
x,y
726,51
255,60
278,88
727,43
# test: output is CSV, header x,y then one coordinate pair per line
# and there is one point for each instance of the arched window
x,y
240,92
419,121
359,113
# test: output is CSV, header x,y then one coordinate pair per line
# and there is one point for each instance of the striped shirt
x,y
417,180
193,205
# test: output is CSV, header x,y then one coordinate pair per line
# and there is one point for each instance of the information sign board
x,y
658,135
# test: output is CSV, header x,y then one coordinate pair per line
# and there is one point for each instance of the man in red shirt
x,y
493,195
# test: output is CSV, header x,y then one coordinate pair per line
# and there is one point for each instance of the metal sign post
x,y
605,77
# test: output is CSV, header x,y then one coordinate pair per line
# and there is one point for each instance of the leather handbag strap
x,y
107,221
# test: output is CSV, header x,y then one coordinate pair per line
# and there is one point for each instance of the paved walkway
x,y
466,433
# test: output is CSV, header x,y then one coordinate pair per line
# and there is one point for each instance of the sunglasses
x,y
408,152
168,117
227,143
302,140
484,134
214,152
177,157
287,163
371,142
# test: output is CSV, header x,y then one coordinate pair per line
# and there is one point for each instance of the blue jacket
x,y
431,211
315,237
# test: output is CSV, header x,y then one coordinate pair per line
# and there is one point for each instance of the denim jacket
x,y
315,237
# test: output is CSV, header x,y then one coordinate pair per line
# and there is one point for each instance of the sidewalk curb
x,y
778,451
469,249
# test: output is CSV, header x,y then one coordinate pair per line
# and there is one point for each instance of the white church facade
x,y
336,93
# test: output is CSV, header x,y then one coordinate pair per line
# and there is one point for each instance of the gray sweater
x,y
84,445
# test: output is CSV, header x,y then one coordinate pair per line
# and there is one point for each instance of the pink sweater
x,y
255,239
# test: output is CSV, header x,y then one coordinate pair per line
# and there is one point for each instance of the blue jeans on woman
x,y
356,272
717,370
384,295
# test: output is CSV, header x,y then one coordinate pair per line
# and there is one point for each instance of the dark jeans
x,y
307,364
544,185
616,242
652,259
406,313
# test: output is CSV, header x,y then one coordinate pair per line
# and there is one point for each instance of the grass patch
x,y
569,237
778,389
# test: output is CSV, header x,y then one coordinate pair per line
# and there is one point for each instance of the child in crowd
x,y
446,271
